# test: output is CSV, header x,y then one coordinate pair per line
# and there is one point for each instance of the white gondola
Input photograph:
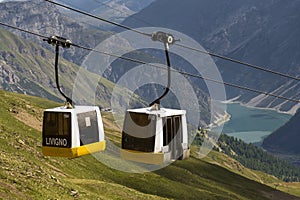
x,y
72,132
155,136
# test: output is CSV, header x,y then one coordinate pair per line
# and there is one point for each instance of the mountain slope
x,y
256,158
286,139
44,18
258,32
27,68
26,174
90,5
115,10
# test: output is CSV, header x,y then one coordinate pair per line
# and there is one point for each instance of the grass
x,y
234,166
26,174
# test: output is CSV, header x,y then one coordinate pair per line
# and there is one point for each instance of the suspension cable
x,y
158,66
238,62
180,45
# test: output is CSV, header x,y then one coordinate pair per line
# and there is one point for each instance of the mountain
x,y
27,174
286,139
115,10
46,19
259,32
27,68
91,5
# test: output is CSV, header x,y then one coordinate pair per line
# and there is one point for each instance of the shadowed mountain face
x,y
28,68
259,32
115,10
91,5
286,139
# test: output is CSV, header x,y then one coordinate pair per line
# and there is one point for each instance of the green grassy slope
x,y
26,174
233,165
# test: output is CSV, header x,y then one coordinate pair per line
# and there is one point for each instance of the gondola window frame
x,y
57,129
135,121
88,127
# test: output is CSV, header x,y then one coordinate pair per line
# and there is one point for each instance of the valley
x,y
259,32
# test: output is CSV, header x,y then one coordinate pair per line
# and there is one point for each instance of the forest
x,y
256,158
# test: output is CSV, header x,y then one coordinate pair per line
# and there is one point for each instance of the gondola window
x,y
138,132
57,129
88,128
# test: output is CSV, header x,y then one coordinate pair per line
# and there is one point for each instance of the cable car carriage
x,y
156,135
71,131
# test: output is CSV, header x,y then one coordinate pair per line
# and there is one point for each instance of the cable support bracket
x,y
163,37
59,41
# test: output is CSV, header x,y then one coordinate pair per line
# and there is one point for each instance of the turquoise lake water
x,y
252,125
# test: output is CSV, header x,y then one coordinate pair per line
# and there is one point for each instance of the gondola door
x,y
177,141
173,136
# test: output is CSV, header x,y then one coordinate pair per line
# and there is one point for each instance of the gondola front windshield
x,y
57,129
139,132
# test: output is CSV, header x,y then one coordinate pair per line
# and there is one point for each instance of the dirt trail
x,y
28,119
278,195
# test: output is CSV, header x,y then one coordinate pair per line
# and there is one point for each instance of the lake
x,y
252,125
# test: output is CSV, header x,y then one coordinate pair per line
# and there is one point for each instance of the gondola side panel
x,y
100,125
159,135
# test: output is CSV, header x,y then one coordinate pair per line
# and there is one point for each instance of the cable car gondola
x,y
71,131
156,135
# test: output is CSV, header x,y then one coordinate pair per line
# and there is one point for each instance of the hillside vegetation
x,y
26,174
256,158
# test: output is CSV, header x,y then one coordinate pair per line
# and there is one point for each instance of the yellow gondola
x,y
71,131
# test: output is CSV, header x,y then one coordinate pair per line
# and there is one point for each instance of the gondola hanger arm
x,y
64,43
167,39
